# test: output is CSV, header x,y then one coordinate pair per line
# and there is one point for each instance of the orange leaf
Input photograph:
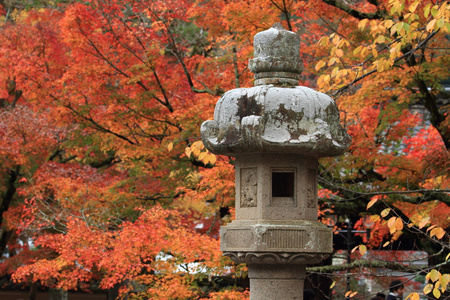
x,y
371,202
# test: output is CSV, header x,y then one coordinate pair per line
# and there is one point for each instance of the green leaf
x,y
427,10
406,27
434,11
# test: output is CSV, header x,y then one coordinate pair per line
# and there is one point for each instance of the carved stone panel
x,y
275,257
249,187
284,238
311,188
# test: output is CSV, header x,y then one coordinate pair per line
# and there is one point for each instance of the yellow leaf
x,y
342,43
431,227
426,12
353,294
339,53
332,285
385,212
353,250
362,23
436,293
388,23
391,225
448,255
428,288
374,52
319,65
336,40
414,17
342,73
386,244
364,52
357,50
212,158
320,82
380,66
196,151
324,41
198,145
438,232
412,7
430,25
362,249
202,156
381,39
424,222
434,275
392,222
170,147
334,72
188,151
371,202
445,278
388,64
432,232
331,61
440,23
375,218
413,296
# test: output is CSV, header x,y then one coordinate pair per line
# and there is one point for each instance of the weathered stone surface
x,y
276,187
277,57
281,282
308,237
272,119
277,258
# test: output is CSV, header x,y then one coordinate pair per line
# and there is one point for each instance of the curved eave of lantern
x,y
270,119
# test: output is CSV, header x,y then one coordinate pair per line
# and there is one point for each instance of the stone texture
x,y
273,119
280,282
277,57
259,196
308,237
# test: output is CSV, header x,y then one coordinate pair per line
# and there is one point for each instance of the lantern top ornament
x,y
277,57
276,115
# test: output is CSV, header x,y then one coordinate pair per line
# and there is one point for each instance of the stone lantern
x,y
276,130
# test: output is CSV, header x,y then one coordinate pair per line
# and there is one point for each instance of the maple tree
x,y
393,57
104,177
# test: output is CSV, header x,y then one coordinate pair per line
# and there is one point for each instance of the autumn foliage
x,y
104,179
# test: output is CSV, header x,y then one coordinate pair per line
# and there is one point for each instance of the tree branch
x,y
407,54
436,194
355,13
98,126
395,266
